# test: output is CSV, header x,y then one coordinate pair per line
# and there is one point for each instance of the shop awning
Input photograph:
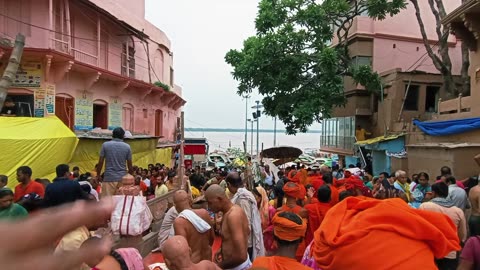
x,y
379,139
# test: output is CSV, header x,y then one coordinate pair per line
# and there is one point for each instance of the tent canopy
x,y
40,143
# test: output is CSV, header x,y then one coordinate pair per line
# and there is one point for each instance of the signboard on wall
x,y
50,99
84,112
39,103
29,74
115,114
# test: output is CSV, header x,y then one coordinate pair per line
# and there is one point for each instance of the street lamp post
x,y
256,115
251,135
275,131
246,121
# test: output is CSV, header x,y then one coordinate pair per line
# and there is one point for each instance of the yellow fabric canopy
x,y
40,143
379,139
44,143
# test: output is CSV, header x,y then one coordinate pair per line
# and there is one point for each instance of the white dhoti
x,y
244,266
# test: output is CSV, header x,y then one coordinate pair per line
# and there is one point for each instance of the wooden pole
x,y
12,67
182,156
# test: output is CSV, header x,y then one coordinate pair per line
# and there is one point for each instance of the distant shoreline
x,y
239,130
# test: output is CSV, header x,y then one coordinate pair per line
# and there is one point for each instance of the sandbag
x,y
131,215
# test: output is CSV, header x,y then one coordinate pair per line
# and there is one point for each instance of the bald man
x,y
176,253
195,226
233,253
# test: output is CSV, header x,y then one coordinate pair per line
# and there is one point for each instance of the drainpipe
x,y
149,63
69,27
50,18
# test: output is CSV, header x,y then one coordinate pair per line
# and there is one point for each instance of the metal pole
x,y
246,123
258,125
182,157
275,132
251,140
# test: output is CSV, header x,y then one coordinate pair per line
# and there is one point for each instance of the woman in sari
x,y
266,213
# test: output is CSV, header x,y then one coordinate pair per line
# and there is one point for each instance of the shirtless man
x,y
176,253
474,220
234,231
195,226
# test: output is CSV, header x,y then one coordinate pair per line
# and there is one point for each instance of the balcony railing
x,y
85,57
60,45
455,108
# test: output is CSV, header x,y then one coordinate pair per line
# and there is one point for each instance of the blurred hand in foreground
x,y
27,244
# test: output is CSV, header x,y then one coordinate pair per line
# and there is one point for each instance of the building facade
x,y
93,64
426,152
411,89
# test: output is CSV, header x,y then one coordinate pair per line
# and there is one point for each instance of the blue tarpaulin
x,y
451,127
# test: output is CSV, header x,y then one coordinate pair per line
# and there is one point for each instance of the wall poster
x,y
115,113
84,112
50,99
39,103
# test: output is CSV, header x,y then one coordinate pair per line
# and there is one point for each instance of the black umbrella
x,y
281,152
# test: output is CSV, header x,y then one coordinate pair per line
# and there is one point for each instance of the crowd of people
x,y
296,218
306,218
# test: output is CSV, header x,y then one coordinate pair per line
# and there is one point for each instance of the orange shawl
x,y
316,214
412,238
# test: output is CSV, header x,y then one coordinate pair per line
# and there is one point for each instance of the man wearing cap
x,y
289,230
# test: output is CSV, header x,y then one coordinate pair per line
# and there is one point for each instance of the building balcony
x,y
457,108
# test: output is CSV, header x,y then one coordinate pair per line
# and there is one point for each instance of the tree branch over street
x,y
291,63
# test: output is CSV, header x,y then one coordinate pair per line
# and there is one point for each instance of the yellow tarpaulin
x,y
40,143
164,156
144,152
378,139
44,143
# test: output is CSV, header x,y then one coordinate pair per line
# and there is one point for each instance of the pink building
x,y
395,49
93,64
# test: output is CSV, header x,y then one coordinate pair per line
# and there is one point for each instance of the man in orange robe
x,y
317,211
335,194
288,230
358,229
294,192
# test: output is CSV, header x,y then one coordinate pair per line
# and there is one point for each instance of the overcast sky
x,y
202,32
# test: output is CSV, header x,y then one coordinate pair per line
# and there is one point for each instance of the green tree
x,y
291,62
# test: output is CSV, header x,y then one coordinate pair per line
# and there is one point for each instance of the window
x,y
431,99
361,61
411,100
338,133
171,76
128,60
145,113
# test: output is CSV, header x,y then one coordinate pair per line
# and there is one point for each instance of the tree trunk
x,y
449,85
11,70
465,90
442,61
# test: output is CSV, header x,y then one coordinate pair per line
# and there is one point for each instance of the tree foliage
x,y
291,62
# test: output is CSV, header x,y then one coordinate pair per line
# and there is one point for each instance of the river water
x,y
223,140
